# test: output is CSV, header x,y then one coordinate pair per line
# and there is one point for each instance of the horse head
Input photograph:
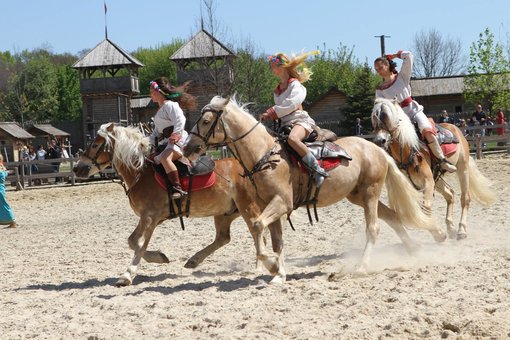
x,y
97,156
209,130
391,123
113,144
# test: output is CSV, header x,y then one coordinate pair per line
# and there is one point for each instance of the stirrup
x,y
177,193
319,179
447,165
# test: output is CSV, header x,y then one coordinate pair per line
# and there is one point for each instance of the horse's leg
x,y
277,242
391,218
465,198
272,213
369,202
222,224
447,191
138,241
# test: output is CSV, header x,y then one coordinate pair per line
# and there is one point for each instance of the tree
x,y
253,80
436,56
331,68
360,100
157,63
489,74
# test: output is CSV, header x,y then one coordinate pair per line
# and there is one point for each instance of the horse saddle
x,y
197,176
443,135
319,142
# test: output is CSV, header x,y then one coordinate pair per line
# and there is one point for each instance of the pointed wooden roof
x,y
106,54
46,130
13,129
202,46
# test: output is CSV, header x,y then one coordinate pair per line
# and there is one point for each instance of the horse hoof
x,y
191,264
278,280
461,236
122,282
439,237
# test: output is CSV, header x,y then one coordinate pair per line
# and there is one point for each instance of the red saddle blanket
x,y
326,163
199,182
448,149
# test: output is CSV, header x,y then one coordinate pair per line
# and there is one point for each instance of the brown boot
x,y
443,162
12,225
173,177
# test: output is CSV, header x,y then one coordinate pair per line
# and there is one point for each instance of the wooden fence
x,y
34,173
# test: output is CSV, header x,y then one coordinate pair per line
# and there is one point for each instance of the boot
x,y
310,161
443,162
173,177
12,225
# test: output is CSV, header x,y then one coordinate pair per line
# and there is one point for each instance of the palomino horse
x,y
126,150
394,130
278,183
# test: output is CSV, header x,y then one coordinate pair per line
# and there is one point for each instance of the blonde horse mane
x,y
404,128
131,147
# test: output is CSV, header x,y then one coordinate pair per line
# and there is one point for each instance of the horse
x,y
395,132
279,184
126,149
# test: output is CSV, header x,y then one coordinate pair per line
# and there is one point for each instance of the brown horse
x,y
278,183
126,149
394,130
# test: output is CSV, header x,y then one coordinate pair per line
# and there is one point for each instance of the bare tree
x,y
436,56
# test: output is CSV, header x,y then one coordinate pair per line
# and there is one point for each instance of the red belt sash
x,y
406,102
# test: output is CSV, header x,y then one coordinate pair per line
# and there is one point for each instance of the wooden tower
x,y
108,80
209,65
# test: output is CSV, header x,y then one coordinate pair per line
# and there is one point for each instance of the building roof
x,y
14,130
46,130
105,54
202,45
423,87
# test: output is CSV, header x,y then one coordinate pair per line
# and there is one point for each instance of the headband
x,y
154,85
276,59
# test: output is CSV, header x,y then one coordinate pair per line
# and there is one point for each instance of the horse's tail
x,y
405,200
479,185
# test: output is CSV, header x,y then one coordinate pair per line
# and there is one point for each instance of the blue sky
x,y
288,26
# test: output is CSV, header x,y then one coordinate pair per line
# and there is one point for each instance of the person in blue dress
x,y
6,213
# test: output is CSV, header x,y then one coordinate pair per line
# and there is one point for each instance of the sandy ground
x,y
59,268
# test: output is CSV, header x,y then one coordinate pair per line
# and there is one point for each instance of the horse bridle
x,y
102,149
259,166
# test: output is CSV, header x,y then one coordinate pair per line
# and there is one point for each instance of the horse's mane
x,y
131,147
405,131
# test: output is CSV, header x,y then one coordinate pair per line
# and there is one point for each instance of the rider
x,y
289,96
171,101
397,85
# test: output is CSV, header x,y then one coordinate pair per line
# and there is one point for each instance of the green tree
x,y
69,96
157,63
360,100
253,80
331,68
488,74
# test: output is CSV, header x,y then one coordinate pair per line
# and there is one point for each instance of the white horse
x,y
394,130
279,184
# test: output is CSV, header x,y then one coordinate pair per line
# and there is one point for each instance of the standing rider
x,y
397,85
288,97
171,101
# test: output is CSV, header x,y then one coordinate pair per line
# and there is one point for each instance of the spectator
x,y
481,117
55,152
500,120
444,117
462,126
41,153
358,128
32,156
6,213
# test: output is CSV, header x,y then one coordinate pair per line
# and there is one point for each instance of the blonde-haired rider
x,y
288,97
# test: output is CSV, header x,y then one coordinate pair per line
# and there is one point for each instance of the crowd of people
x,y
478,123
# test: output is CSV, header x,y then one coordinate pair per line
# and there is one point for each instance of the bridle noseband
x,y
99,152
